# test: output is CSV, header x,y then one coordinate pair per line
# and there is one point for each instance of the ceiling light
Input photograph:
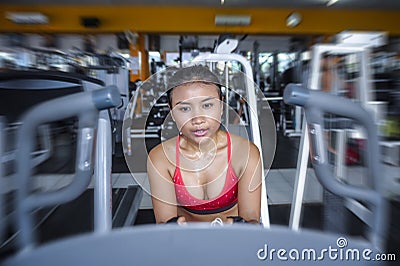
x,y
293,20
27,17
232,20
331,2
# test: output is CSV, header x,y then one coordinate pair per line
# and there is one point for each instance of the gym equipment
x,y
68,106
20,91
317,103
111,68
364,95
237,244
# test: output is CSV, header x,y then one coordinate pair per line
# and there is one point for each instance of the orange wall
x,y
201,20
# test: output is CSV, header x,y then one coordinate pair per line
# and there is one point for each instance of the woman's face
x,y
197,110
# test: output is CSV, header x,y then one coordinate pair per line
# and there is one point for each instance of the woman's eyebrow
x,y
182,102
204,100
208,98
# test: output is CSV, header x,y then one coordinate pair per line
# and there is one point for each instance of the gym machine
x,y
100,207
357,45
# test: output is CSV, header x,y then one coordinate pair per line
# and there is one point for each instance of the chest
x,y
205,178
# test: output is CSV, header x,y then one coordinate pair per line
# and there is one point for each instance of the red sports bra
x,y
226,200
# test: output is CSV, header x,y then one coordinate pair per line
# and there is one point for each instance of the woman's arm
x,y
161,186
249,191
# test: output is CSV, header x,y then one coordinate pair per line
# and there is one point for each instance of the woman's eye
x,y
184,109
208,105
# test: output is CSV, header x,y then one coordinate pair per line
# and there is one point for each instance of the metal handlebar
x,y
85,106
315,104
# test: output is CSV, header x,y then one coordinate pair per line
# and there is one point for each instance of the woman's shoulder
x,y
239,140
241,144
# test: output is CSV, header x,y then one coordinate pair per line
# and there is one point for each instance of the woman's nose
x,y
198,119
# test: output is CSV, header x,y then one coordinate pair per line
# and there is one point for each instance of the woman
x,y
205,173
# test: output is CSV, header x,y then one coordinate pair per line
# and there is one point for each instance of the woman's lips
x,y
200,132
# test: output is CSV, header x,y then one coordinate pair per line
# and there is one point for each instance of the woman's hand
x,y
235,219
181,220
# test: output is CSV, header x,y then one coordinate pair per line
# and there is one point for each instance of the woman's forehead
x,y
194,90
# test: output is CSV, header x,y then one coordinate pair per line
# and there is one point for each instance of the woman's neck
x,y
206,146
